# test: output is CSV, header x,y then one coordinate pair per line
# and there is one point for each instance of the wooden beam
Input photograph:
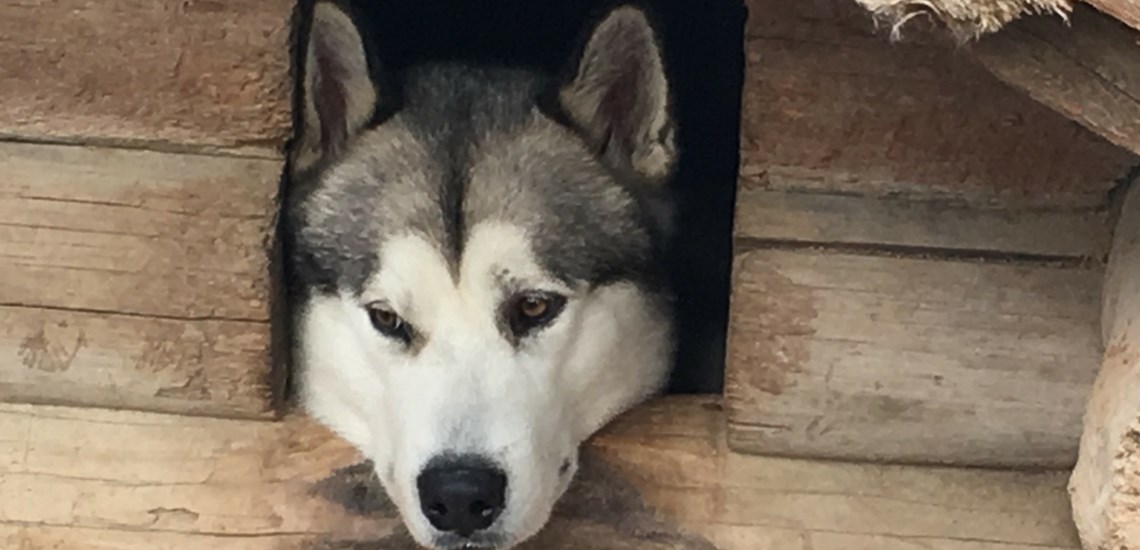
x,y
135,279
830,105
1106,480
135,232
1127,11
1089,71
659,478
206,74
930,225
201,367
858,355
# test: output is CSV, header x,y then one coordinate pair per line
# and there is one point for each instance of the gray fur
x,y
469,145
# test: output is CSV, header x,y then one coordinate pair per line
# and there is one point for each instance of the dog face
x,y
480,268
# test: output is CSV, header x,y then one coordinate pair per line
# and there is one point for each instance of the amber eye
x,y
532,310
387,322
533,306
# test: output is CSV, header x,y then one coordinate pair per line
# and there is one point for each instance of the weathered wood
x,y
910,359
135,232
829,104
197,72
1127,11
209,367
124,471
38,537
924,224
135,279
1106,481
660,478
1089,70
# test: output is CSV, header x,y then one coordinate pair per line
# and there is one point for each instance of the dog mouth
x,y
472,545
478,541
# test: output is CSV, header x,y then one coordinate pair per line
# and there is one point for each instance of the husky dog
x,y
479,252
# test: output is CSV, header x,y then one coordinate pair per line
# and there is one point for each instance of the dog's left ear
x,y
618,96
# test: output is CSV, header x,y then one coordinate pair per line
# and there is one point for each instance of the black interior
x,y
703,42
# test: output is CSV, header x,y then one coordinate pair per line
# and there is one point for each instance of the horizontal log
x,y
831,105
1106,480
1088,70
910,359
135,232
36,537
210,367
200,73
831,219
135,279
659,478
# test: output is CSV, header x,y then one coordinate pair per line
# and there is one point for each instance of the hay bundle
x,y
968,19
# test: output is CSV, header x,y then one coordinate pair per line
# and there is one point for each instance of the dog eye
x,y
533,307
531,310
387,322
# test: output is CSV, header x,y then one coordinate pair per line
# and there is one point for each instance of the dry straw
x,y
968,19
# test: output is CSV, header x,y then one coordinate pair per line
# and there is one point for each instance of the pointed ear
x,y
338,95
619,96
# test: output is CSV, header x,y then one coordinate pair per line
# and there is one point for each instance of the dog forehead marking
x,y
415,277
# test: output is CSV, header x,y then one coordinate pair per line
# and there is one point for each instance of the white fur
x,y
468,390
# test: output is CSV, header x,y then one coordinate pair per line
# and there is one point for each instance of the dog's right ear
x,y
338,95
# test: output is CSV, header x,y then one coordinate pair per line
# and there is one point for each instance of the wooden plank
x,y
1088,70
36,537
927,224
1127,11
144,472
660,478
135,279
1106,481
831,105
135,232
210,367
199,72
910,359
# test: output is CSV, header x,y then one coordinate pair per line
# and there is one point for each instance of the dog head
x,y
479,252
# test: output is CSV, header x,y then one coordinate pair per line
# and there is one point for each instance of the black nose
x,y
462,495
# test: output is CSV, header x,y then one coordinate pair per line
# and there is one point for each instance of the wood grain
x,y
144,472
135,279
792,217
1089,70
135,232
1105,485
211,367
38,537
203,73
910,359
829,104
659,478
